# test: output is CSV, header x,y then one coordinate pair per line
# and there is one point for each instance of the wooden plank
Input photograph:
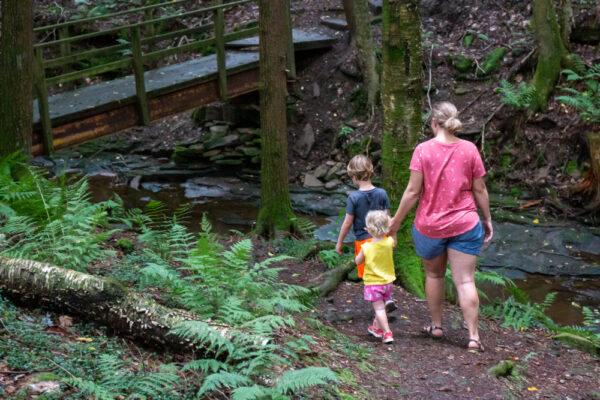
x,y
84,73
111,121
219,22
43,108
302,41
291,54
138,68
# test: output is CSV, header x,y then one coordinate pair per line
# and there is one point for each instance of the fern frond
x,y
205,365
254,392
201,334
293,380
223,379
89,388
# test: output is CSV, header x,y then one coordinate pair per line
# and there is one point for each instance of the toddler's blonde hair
x,y
446,115
360,167
378,222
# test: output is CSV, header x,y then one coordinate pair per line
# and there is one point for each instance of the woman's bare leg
x,y
463,274
435,270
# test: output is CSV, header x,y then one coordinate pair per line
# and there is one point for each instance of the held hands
x,y
489,230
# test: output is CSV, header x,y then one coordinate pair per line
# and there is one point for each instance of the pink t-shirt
x,y
446,207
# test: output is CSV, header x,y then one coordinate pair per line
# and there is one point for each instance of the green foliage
x,y
591,320
521,96
519,313
50,220
345,130
330,258
587,99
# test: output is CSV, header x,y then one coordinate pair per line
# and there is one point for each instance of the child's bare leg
x,y
381,316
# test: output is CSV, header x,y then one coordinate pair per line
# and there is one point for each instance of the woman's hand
x,y
489,230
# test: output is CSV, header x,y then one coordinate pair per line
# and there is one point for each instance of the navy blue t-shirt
x,y
360,203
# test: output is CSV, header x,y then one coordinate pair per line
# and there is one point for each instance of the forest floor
x,y
415,366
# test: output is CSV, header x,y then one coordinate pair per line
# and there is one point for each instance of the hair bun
x,y
452,124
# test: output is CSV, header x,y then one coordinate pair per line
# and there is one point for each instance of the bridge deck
x,y
108,107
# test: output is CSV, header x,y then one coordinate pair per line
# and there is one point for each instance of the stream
x,y
562,257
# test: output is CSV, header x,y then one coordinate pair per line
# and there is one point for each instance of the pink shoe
x,y
375,331
388,338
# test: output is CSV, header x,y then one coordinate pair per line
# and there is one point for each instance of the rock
x,y
578,342
218,130
333,170
248,131
211,153
320,171
333,184
312,182
135,182
305,141
461,90
353,276
250,151
221,141
217,157
228,162
333,23
490,63
231,114
463,64
316,90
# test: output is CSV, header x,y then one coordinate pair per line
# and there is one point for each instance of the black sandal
x,y
428,330
478,349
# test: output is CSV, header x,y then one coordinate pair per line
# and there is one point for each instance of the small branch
x,y
470,103
72,376
429,87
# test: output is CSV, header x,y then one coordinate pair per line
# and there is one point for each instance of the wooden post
x,y
150,31
219,22
42,97
138,68
65,50
291,55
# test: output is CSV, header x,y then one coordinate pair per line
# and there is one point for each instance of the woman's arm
x,y
482,199
409,199
346,225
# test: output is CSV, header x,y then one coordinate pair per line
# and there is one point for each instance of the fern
x,y
294,380
520,96
223,379
89,388
586,101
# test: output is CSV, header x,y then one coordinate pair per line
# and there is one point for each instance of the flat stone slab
x,y
566,251
302,41
106,95
334,23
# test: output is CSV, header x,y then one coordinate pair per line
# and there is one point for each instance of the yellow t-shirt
x,y
379,262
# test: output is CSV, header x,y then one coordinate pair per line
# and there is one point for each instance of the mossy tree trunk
x,y
358,19
95,298
566,21
16,76
402,93
551,52
275,216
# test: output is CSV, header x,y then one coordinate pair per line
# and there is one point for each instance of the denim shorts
x,y
469,242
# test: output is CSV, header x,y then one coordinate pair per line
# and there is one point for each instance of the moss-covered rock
x,y
463,64
125,245
490,63
504,369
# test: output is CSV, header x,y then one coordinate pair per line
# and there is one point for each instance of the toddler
x,y
378,272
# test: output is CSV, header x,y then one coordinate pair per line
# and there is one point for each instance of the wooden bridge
x,y
78,115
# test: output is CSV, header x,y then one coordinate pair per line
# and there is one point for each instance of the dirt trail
x,y
419,367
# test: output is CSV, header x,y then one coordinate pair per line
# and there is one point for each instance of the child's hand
x,y
338,248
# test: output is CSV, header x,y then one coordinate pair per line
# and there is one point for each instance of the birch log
x,y
95,298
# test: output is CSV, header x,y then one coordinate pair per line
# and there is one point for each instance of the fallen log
x,y
329,281
98,299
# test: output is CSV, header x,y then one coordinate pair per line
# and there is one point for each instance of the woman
x,y
446,173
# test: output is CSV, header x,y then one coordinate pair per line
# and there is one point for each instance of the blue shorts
x,y
469,242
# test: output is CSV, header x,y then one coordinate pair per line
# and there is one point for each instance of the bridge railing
x,y
137,52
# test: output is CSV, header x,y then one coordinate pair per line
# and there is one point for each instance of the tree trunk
x,y
551,50
358,18
594,174
94,298
16,77
275,215
566,22
402,92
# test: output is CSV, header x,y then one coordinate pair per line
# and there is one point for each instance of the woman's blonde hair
x,y
378,222
360,167
446,115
